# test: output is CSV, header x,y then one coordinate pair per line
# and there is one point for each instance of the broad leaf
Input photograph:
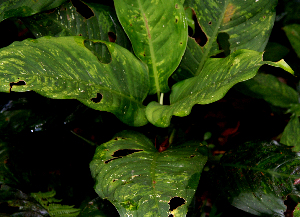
x,y
66,21
269,88
248,25
293,33
258,176
158,33
216,78
63,68
291,134
140,181
16,8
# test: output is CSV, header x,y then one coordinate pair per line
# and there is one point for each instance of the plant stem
x,y
161,98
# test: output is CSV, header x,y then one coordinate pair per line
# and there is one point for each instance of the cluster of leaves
x,y
116,60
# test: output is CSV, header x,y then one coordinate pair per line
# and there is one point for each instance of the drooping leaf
x,y
216,78
63,68
258,176
158,33
269,88
244,25
291,134
66,21
16,8
293,33
140,181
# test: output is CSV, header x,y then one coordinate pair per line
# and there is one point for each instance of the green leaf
x,y
297,211
66,21
140,181
291,134
216,78
247,23
275,51
16,8
258,176
158,33
63,68
269,88
293,33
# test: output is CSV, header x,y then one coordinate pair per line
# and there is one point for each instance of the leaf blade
x,y
77,74
158,32
147,179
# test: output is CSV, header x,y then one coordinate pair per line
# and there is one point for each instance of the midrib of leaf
x,y
87,83
152,171
262,170
207,50
151,51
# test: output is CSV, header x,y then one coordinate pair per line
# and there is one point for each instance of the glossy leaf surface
x,y
291,134
258,176
248,25
269,88
16,8
63,68
140,181
66,21
158,33
293,33
216,78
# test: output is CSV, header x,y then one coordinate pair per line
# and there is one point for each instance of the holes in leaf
x,y
97,99
209,23
199,35
19,83
100,50
176,19
112,36
176,202
122,153
223,41
176,6
83,9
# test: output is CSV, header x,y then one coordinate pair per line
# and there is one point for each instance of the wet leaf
x,y
140,181
291,134
293,33
63,68
158,32
216,78
16,8
269,88
258,176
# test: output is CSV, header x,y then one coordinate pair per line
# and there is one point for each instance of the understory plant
x,y
149,62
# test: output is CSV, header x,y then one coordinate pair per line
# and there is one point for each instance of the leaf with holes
x,y
63,68
258,176
217,77
158,33
66,21
240,24
16,8
140,181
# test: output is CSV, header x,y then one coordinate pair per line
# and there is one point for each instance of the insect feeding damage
x,y
122,153
19,83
